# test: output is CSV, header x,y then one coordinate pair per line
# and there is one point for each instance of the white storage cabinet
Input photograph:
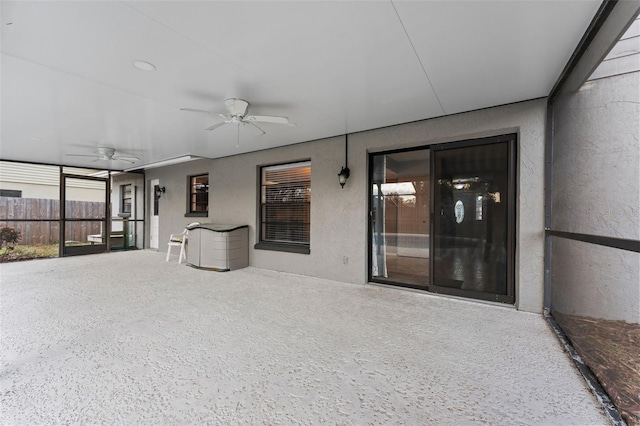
x,y
218,247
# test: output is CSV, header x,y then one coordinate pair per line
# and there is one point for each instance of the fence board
x,y
38,233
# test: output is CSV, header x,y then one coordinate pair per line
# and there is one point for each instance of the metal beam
x,y
611,21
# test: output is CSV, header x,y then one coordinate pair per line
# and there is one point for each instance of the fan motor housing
x,y
236,107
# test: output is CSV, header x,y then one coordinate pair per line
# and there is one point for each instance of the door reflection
x,y
470,226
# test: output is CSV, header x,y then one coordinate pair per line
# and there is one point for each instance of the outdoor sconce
x,y
344,172
159,191
343,176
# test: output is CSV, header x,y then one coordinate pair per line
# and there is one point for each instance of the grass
x,y
28,252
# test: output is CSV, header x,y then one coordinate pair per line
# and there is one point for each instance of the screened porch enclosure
x,y
61,210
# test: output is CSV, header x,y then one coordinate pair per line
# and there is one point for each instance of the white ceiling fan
x,y
105,153
237,114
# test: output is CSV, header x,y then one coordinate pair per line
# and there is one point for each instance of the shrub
x,y
8,237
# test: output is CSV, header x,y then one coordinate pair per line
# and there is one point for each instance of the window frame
x,y
13,193
190,194
123,197
284,246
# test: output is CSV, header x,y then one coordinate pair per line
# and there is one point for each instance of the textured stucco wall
x,y
173,203
339,217
137,183
595,281
596,159
596,190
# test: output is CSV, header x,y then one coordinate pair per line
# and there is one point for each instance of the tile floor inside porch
x,y
125,338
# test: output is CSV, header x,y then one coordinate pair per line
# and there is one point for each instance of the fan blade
x,y
215,126
201,111
262,132
267,119
198,110
82,155
129,160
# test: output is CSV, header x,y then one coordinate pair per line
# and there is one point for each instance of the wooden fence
x,y
43,219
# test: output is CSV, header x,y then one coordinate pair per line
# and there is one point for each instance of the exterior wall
x,y
596,190
172,205
43,181
137,184
52,192
82,194
339,217
30,190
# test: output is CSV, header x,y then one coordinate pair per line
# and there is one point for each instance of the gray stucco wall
x,y
339,217
596,190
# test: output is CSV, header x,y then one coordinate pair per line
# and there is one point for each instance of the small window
x,y
16,193
285,207
198,195
125,198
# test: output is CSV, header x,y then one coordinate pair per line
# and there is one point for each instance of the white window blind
x,y
286,203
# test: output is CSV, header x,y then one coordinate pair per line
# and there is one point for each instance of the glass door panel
x,y
399,218
84,215
474,219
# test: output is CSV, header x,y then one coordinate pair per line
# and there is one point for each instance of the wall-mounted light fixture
x,y
158,191
344,172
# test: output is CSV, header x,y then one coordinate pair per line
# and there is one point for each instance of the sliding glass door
x,y
399,218
473,224
443,219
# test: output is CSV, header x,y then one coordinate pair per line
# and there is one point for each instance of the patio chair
x,y
180,240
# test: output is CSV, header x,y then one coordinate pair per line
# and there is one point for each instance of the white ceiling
x,y
332,67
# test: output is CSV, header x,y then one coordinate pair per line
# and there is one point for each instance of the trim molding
x,y
289,248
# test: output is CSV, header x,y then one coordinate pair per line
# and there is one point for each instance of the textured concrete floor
x,y
125,338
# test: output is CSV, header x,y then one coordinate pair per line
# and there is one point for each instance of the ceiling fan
x,y
237,114
104,153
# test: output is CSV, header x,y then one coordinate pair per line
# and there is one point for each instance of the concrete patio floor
x,y
125,338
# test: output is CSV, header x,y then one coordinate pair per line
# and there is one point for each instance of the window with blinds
x,y
198,195
285,208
